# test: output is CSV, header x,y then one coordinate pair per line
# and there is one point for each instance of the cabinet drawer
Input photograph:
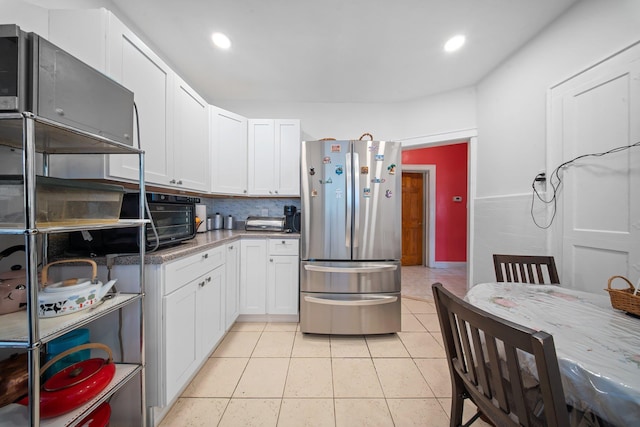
x,y
182,271
283,246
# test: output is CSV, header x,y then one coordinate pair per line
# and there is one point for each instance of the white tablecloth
x,y
598,347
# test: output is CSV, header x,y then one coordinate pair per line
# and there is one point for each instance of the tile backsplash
x,y
240,209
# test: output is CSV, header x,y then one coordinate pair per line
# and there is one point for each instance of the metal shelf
x,y
24,329
124,373
123,223
13,326
56,138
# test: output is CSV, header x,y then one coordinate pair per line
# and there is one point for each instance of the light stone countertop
x,y
201,242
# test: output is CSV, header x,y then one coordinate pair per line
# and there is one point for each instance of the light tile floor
x,y
270,374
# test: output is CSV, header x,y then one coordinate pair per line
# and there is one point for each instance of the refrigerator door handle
x,y
376,269
347,234
376,300
356,198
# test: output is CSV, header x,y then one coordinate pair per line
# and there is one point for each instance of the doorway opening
x,y
418,215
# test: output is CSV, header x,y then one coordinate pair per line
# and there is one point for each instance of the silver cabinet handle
x,y
179,182
173,181
376,269
378,300
201,284
270,259
205,256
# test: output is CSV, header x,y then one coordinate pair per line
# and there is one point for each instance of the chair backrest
x,y
526,269
487,356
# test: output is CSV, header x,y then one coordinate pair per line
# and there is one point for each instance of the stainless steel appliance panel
x,y
350,314
71,92
377,191
350,277
326,214
13,68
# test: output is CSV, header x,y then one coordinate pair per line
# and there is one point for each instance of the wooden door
x,y
412,218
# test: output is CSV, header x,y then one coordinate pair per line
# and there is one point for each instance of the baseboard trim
x,y
274,318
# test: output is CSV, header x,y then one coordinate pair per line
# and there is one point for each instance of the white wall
x,y
28,16
438,114
511,105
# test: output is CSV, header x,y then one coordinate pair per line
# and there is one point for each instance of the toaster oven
x,y
172,216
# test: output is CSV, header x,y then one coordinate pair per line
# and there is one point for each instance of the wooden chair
x,y
526,269
483,356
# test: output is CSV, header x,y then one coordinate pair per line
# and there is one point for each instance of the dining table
x,y
598,347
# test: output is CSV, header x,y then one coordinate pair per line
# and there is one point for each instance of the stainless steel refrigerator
x,y
350,237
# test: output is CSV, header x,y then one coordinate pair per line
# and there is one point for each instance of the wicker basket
x,y
624,299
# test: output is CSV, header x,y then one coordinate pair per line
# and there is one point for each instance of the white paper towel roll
x,y
201,212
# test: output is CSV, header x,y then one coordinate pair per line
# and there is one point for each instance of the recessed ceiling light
x,y
454,43
221,40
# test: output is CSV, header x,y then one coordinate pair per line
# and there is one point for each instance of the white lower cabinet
x,y
283,277
210,326
181,337
185,302
253,273
232,286
191,302
194,323
269,277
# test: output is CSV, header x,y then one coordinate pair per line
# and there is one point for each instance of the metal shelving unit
x,y
24,329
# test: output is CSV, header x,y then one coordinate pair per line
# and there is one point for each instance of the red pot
x,y
75,385
98,418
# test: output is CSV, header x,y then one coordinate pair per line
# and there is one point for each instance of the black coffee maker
x,y
291,219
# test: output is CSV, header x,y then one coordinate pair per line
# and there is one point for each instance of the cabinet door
x,y
135,66
253,273
287,136
191,139
262,158
232,294
228,139
210,310
181,341
282,285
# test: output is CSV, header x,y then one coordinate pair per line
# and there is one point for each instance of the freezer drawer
x,y
350,277
350,314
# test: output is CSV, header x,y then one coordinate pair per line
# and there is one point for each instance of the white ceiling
x,y
336,50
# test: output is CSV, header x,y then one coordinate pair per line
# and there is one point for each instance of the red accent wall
x,y
451,180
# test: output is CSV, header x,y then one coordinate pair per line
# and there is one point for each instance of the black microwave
x,y
173,220
38,77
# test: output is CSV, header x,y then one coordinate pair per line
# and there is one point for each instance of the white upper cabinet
x,y
228,143
288,157
274,157
189,144
101,40
131,63
173,118
191,139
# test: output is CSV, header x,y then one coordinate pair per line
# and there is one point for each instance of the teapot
x,y
71,295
